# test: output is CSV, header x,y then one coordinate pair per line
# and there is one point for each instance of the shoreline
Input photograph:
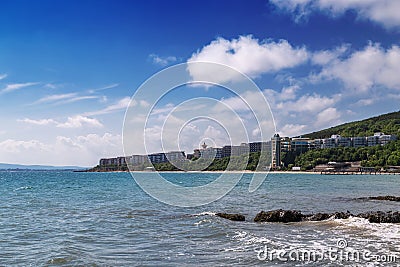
x,y
245,171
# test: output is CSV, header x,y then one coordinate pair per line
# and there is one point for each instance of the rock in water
x,y
280,215
317,217
388,198
342,215
381,217
232,217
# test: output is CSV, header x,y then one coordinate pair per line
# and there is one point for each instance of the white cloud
x,y
289,93
50,85
80,98
58,99
79,121
17,146
110,86
287,100
54,98
38,122
15,86
365,102
248,55
162,61
3,76
292,129
373,66
312,103
327,56
384,12
121,104
328,117
84,150
295,115
217,136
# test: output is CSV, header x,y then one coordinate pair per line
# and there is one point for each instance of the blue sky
x,y
69,68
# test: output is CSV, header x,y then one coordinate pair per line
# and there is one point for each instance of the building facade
x,y
276,146
276,151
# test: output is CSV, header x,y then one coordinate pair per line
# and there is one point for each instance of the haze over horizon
x,y
69,68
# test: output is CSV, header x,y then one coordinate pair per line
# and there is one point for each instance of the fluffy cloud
x,y
17,146
287,100
248,55
311,103
328,117
82,150
384,12
79,121
324,57
364,69
38,122
298,114
292,129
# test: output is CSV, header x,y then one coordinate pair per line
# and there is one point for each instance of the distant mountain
x,y
5,166
387,123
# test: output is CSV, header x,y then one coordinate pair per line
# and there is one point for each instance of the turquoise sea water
x,y
105,219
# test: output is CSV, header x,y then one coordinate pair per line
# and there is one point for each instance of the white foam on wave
x,y
204,221
205,213
250,239
23,188
385,231
247,241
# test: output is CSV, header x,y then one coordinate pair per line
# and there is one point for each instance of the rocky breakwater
x,y
387,198
286,216
231,216
280,215
381,217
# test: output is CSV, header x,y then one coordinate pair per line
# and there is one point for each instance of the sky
x,y
68,69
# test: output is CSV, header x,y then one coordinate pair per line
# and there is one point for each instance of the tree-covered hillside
x,y
372,156
387,123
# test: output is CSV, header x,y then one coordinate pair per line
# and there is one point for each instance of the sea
x,y
105,219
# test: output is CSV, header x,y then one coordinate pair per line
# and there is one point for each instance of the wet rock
x,y
342,215
381,216
286,216
317,217
280,215
232,217
388,198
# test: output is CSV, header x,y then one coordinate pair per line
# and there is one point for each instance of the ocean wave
x,y
250,239
23,188
204,213
201,222
382,230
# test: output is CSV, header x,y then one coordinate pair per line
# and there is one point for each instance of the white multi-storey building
x,y
386,138
137,159
359,141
